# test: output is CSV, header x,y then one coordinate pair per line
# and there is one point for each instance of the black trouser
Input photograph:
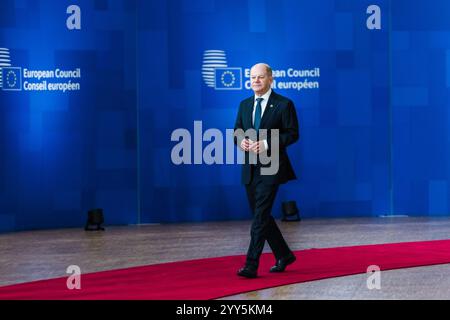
x,y
261,197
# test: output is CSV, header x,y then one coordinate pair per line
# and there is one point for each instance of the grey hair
x,y
268,68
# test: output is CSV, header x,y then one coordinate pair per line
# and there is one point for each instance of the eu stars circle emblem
x,y
228,79
11,79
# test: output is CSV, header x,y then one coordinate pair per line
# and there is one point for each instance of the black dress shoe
x,y
283,263
247,272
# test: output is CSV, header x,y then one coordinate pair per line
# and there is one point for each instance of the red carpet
x,y
216,277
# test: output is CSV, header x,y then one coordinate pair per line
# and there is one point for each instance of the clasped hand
x,y
253,146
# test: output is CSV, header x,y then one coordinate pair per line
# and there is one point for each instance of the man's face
x,y
260,80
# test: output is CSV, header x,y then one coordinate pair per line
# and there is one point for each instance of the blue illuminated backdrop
x,y
342,158
372,106
64,152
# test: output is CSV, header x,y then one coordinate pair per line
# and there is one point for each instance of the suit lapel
x,y
270,108
249,115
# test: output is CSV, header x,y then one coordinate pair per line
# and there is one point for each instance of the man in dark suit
x,y
274,119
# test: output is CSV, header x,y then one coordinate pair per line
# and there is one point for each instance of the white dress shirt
x,y
263,104
263,108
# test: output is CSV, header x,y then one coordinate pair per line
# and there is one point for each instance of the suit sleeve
x,y
238,136
289,131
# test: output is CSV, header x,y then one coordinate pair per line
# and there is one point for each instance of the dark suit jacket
x,y
279,114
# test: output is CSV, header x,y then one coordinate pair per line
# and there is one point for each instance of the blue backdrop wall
x,y
66,151
86,115
420,103
342,158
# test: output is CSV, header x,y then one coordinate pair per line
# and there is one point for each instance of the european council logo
x,y
12,78
5,61
228,78
212,59
217,74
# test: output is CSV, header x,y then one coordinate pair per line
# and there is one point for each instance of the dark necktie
x,y
258,112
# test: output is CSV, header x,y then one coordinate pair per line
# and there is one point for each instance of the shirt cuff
x,y
266,145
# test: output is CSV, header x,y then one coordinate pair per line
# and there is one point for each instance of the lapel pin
x,y
271,106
